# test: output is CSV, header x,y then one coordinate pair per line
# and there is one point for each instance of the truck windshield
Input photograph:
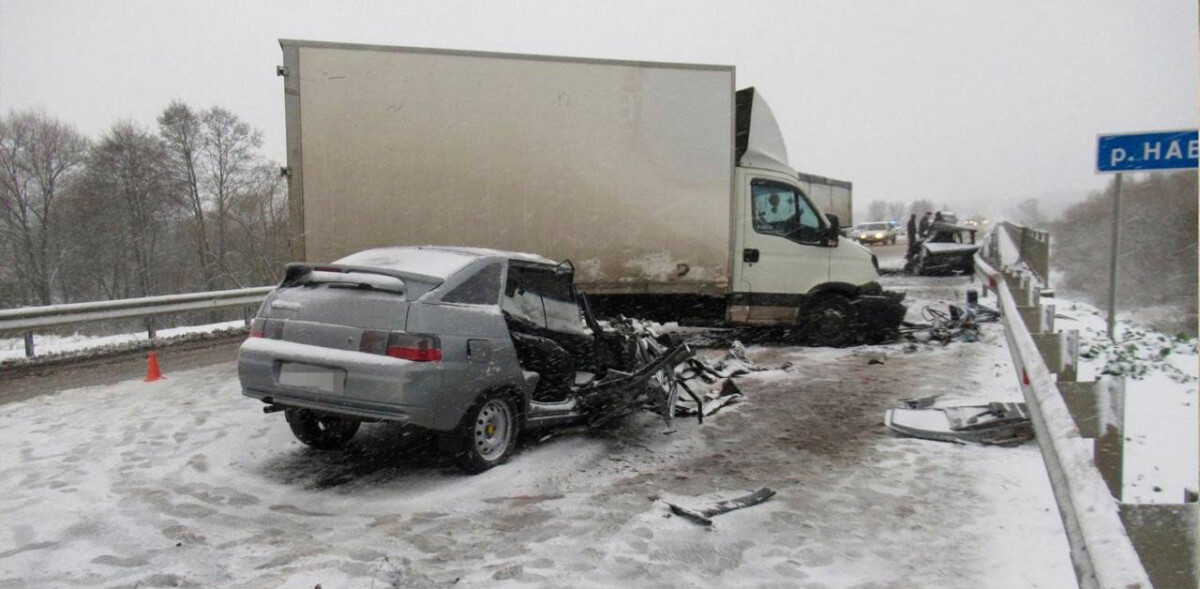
x,y
780,209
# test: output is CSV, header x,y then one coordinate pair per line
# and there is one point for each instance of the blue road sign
x,y
1139,152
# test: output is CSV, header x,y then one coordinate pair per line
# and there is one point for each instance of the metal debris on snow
x,y
996,424
704,516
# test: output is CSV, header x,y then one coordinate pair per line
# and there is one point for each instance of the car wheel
x,y
828,321
322,431
488,432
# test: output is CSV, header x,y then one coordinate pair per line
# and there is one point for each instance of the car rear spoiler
x,y
416,284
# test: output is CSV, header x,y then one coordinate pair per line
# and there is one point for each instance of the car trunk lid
x,y
330,306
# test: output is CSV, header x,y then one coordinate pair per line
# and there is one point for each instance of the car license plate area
x,y
307,376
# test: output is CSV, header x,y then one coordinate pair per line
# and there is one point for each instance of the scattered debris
x,y
999,424
920,402
875,361
734,364
956,322
704,516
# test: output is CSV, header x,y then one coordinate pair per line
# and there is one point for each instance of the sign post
x,y
1139,152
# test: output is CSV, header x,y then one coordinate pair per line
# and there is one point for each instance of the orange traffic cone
x,y
152,371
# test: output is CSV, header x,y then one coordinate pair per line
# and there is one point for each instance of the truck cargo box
x,y
624,167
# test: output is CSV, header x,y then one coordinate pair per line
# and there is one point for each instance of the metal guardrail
x,y
1033,246
28,318
1101,550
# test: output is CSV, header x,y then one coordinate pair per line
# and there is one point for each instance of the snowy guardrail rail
x,y
27,318
1101,550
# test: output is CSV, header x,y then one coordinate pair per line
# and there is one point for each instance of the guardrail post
x,y
1070,356
1080,398
1098,409
1109,449
1051,345
150,329
1164,536
28,344
247,315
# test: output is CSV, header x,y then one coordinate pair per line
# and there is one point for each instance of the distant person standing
x,y
923,229
912,236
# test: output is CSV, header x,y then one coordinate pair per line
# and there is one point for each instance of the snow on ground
x,y
184,482
13,349
1161,415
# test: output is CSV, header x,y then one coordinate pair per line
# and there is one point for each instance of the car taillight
x,y
374,342
268,328
418,348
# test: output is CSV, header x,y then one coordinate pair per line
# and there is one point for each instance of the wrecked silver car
x,y
475,345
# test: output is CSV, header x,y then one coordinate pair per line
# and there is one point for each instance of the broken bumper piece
x,y
999,424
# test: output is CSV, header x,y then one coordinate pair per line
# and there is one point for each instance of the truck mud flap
x,y
878,317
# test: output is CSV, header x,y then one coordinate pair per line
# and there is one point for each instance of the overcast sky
x,y
973,104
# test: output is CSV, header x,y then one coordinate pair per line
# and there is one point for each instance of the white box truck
x,y
669,191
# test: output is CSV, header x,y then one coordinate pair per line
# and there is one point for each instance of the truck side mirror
x,y
831,238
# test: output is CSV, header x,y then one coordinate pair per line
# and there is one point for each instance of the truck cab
x,y
790,265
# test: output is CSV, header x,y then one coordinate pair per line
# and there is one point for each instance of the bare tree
x,y
182,132
228,156
877,210
264,242
38,156
1158,246
920,206
897,211
129,169
1029,213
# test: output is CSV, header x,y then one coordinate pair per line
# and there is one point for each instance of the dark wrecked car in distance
x,y
948,249
474,345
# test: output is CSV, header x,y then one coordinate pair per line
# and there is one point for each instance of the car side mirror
x,y
831,237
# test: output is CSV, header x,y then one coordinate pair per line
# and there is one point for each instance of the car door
x,y
783,251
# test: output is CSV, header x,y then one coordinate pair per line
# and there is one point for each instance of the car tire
x,y
487,435
323,431
829,321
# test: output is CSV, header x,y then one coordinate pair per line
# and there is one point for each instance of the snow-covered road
x,y
184,482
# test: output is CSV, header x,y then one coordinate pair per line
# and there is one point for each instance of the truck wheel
x,y
487,434
828,321
322,431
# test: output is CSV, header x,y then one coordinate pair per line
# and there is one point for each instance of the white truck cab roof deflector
x,y
759,141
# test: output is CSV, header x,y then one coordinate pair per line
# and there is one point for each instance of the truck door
x,y
783,254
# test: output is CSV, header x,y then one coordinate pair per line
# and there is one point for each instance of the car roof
x,y
433,261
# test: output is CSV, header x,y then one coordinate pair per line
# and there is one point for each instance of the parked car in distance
x,y
475,345
880,232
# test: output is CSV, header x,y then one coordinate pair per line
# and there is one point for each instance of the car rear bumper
x,y
370,386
